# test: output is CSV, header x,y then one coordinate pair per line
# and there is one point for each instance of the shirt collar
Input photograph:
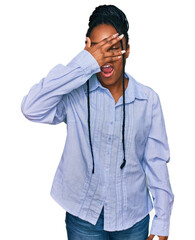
x,y
133,90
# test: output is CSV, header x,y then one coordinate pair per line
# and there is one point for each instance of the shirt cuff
x,y
160,227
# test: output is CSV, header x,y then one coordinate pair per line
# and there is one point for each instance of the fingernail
x,y
121,36
116,34
123,51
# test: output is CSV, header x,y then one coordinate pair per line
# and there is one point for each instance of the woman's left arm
x,y
156,157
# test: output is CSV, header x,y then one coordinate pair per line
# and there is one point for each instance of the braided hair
x,y
109,14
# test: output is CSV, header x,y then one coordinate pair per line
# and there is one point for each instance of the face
x,y
99,33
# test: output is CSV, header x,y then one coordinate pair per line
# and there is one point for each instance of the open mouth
x,y
107,70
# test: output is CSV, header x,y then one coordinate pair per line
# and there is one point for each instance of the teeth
x,y
107,66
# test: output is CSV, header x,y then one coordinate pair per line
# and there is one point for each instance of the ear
x,y
127,51
87,43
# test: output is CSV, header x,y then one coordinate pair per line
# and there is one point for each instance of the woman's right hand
x,y
100,50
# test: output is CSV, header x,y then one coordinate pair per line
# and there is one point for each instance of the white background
x,y
35,36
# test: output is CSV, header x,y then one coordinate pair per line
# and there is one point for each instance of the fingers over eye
x,y
114,53
112,42
106,40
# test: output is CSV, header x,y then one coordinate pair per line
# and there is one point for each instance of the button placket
x,y
109,137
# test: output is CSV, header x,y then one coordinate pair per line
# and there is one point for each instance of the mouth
x,y
107,70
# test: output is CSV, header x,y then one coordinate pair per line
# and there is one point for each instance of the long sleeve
x,y
46,100
156,157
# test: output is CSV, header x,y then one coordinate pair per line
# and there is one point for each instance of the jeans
x,y
79,229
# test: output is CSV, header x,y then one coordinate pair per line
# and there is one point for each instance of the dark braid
x,y
109,14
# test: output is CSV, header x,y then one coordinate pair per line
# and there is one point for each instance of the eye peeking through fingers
x,y
114,48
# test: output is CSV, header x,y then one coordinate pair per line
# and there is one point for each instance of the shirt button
x,y
111,122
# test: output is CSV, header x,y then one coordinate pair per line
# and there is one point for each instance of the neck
x,y
117,88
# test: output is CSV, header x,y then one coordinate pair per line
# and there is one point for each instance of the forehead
x,y
102,31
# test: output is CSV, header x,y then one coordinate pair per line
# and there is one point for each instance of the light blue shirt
x,y
61,96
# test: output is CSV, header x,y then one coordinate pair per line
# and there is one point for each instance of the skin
x,y
100,44
97,36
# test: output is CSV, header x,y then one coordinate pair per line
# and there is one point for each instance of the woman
x,y
116,138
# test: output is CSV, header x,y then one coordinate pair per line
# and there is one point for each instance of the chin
x,y
106,81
